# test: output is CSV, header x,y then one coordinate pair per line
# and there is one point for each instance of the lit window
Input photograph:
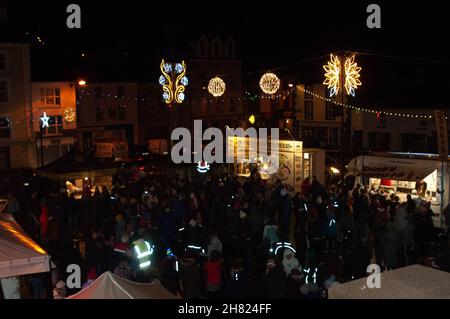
x,y
50,97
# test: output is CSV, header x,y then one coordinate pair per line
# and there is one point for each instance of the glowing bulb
x,y
252,119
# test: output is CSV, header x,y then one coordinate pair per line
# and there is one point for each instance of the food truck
x,y
402,173
295,162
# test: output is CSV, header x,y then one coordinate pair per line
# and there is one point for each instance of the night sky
x,y
408,65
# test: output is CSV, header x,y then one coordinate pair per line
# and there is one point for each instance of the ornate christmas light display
x,y
351,75
332,74
269,83
216,86
69,115
173,81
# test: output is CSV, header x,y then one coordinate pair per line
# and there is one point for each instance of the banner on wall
x,y
442,134
392,168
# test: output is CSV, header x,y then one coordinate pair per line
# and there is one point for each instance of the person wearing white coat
x,y
290,262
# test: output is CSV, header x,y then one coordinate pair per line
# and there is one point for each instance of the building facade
x,y
107,112
17,148
398,134
58,101
215,57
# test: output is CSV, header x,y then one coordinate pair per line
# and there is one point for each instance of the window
x,y
333,136
120,91
203,47
50,97
98,92
5,127
4,158
381,121
99,113
216,48
309,115
55,126
308,96
232,105
112,112
379,141
307,132
414,143
3,92
122,112
423,124
3,63
330,111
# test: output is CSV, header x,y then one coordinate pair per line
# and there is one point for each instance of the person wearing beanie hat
x,y
122,246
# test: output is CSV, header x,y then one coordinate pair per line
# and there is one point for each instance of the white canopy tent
x,y
412,282
111,286
19,254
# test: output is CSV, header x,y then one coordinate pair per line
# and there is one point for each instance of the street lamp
x,y
44,119
82,82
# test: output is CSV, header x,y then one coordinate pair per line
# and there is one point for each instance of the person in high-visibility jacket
x,y
143,252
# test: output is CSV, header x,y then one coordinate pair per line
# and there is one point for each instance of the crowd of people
x,y
215,236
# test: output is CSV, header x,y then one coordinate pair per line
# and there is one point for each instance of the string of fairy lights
x,y
342,74
362,109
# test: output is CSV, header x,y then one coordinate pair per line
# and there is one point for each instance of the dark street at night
x,y
242,151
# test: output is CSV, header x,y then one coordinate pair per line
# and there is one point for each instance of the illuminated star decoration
x,y
203,167
351,75
44,119
332,73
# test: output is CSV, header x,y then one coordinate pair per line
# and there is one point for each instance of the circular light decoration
x,y
269,83
69,115
216,86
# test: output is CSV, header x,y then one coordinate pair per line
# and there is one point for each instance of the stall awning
x,y
412,282
401,169
75,165
111,286
19,254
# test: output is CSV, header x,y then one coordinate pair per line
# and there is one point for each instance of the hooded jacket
x,y
215,244
289,264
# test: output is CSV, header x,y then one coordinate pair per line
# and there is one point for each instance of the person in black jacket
x,y
275,281
293,284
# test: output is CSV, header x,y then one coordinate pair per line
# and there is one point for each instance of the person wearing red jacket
x,y
213,269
